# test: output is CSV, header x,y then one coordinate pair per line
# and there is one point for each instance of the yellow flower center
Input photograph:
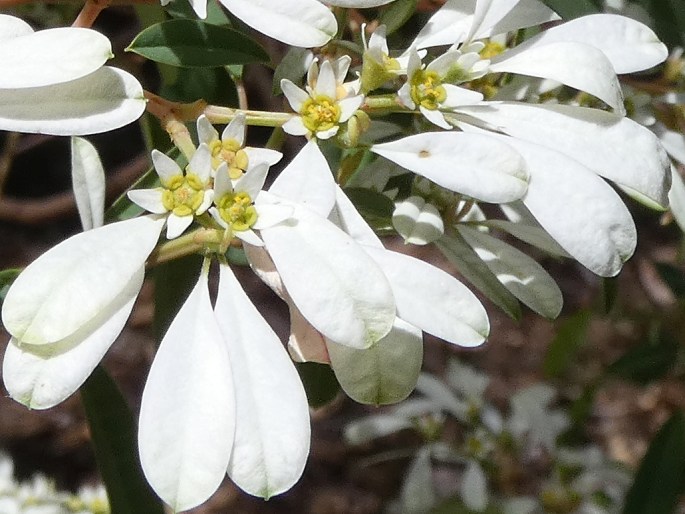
x,y
491,50
320,113
183,195
237,210
230,152
427,90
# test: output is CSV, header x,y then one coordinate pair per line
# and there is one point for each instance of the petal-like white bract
x,y
307,180
676,197
187,413
384,373
454,20
148,199
272,434
88,182
305,23
75,281
612,146
362,4
334,283
105,100
472,164
580,66
42,376
51,56
346,216
433,300
417,221
578,209
11,27
630,45
520,274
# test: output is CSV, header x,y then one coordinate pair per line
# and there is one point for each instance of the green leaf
x,y
467,262
214,85
571,334
674,278
660,478
569,9
192,43
113,434
293,67
397,14
669,20
609,293
646,362
319,382
173,282
371,204
183,10
7,277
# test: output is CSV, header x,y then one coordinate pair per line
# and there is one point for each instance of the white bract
x,y
55,344
222,397
326,103
54,82
561,149
305,23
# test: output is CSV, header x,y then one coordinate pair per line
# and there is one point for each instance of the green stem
x,y
194,242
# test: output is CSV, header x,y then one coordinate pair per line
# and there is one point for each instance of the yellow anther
x,y
320,113
491,50
427,89
230,152
183,195
237,211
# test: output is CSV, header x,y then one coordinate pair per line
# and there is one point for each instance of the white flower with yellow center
x,y
430,89
230,147
54,82
234,204
182,196
325,105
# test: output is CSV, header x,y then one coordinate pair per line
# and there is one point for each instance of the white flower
x,y
430,89
326,103
235,208
230,147
54,82
222,397
182,196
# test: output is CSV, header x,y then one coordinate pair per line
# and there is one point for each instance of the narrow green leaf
x,y
7,277
397,14
319,383
214,85
371,204
660,478
674,278
113,434
464,258
183,10
646,362
570,336
669,20
573,9
609,293
192,43
173,282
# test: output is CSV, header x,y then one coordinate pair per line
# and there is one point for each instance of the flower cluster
x,y
39,495
535,127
